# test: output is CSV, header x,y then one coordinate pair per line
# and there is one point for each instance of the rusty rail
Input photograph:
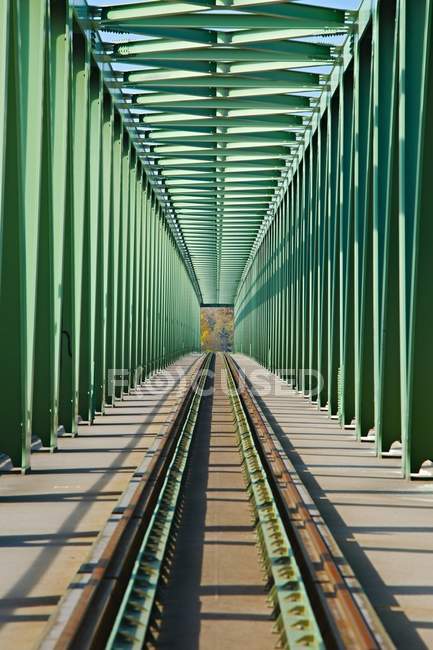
x,y
343,611
86,623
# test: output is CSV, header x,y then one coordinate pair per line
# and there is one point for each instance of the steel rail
x,y
133,622
317,601
295,617
345,616
89,623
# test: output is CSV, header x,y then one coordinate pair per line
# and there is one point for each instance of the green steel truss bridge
x,y
160,155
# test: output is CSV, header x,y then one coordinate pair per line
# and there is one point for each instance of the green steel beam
x,y
338,280
291,54
163,121
202,140
81,235
415,209
218,96
385,228
45,421
273,154
22,131
72,281
286,81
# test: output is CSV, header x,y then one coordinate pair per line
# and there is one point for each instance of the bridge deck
x,y
382,523
216,594
50,518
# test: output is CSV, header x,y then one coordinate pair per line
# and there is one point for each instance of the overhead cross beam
x,y
221,94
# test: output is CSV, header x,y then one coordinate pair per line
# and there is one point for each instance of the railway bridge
x,y
163,157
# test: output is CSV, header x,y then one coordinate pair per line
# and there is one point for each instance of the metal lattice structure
x,y
158,155
341,283
220,109
95,293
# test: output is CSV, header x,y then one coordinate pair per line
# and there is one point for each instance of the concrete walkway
x,y
50,518
383,524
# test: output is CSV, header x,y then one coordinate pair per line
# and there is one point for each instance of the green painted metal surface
x,y
93,279
22,150
216,97
159,155
339,281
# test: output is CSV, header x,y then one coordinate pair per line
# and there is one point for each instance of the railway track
x,y
143,588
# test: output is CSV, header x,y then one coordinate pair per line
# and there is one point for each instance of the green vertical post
x,y
313,347
102,290
21,149
136,277
5,27
333,251
113,258
306,237
347,369
45,418
416,229
74,234
385,230
322,278
363,222
129,268
90,249
122,268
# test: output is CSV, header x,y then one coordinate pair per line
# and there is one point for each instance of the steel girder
x,y
92,277
158,153
340,281
217,89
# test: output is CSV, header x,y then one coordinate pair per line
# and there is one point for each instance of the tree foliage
x,y
217,326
